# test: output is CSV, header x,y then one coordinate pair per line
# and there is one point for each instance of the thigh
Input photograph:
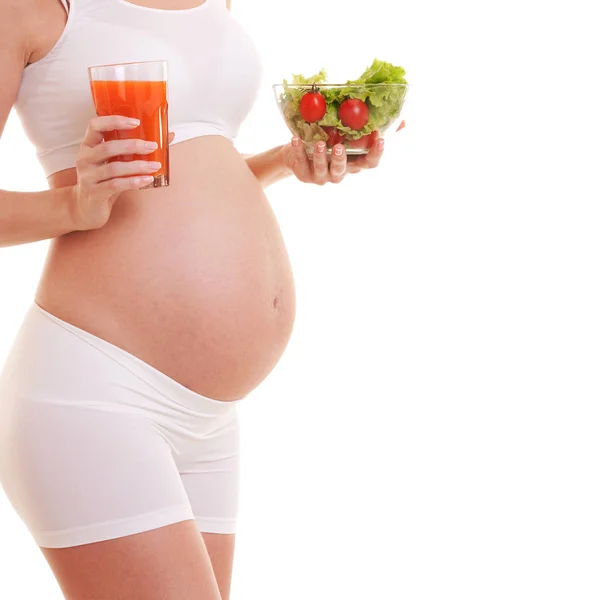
x,y
79,474
211,480
167,563
210,473
220,549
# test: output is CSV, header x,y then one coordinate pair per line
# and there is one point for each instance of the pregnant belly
x,y
193,279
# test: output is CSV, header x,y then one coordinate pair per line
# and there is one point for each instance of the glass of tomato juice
x,y
137,90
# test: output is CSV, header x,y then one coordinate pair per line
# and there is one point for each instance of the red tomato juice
x,y
143,100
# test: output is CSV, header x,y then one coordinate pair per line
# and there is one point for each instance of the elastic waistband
x,y
143,371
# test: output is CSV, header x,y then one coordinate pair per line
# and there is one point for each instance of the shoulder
x,y
14,14
24,24
228,4
15,25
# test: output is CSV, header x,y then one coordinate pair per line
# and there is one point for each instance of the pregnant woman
x,y
157,310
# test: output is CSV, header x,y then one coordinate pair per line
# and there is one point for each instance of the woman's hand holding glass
x,y
99,182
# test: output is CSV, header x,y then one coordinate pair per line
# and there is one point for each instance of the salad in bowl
x,y
353,114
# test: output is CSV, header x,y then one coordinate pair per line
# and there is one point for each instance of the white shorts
x,y
96,444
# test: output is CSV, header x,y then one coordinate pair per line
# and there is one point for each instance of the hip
x,y
95,444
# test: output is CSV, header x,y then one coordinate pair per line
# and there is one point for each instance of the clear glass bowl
x,y
384,117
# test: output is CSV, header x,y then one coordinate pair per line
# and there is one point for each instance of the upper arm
x,y
13,55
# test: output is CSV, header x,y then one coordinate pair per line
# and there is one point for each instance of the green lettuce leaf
x,y
381,72
331,118
295,94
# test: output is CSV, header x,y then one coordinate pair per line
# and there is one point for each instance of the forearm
x,y
33,216
268,167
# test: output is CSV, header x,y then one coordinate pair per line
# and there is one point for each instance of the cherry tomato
x,y
354,113
335,136
313,107
366,141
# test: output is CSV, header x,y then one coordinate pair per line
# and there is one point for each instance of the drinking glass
x,y
137,90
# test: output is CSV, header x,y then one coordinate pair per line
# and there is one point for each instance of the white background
x,y
432,430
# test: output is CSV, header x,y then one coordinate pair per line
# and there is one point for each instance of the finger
x,y
402,126
360,162
123,169
337,168
297,160
122,184
103,152
375,153
320,164
99,125
171,137
357,163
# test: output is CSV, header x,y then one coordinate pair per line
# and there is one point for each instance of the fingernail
x,y
151,145
321,147
338,151
380,144
146,179
295,141
154,165
133,122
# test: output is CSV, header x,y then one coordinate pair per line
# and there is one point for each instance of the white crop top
x,y
214,72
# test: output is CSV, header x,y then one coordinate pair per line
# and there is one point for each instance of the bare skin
x,y
198,272
169,563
